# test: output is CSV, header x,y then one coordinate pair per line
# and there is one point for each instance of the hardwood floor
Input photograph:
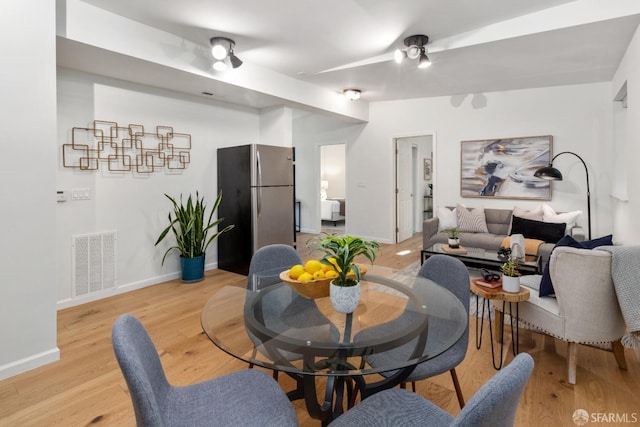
x,y
86,386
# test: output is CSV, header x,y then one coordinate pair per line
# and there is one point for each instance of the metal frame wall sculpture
x,y
126,149
505,167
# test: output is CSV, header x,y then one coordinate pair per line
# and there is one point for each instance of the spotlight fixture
x,y
222,52
415,49
351,94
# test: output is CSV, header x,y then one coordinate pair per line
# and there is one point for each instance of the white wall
x,y
579,118
626,213
276,126
133,204
27,276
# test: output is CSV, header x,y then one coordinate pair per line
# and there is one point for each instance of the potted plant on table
x,y
192,234
510,275
454,240
340,252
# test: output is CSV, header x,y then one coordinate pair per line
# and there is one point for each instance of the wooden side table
x,y
488,294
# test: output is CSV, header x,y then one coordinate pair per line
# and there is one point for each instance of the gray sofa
x,y
498,224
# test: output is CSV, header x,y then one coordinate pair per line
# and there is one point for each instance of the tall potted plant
x,y
340,252
187,222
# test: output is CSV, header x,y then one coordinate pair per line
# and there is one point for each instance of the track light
x,y
222,52
399,55
415,49
424,61
351,94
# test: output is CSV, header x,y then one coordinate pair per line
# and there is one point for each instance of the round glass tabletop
x,y
400,324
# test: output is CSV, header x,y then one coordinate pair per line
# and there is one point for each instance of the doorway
x,y
332,187
413,183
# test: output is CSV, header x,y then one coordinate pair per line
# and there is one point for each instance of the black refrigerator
x,y
258,196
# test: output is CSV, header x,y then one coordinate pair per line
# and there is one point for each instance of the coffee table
x,y
482,258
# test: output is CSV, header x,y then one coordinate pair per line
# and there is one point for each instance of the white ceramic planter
x,y
344,299
454,243
511,284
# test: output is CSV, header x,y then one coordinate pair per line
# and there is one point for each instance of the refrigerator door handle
x,y
259,173
258,168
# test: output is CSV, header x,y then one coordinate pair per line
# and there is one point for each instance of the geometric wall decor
x,y
126,149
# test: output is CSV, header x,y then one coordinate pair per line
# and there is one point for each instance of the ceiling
x,y
475,46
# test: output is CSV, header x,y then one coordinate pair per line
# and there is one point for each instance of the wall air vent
x,y
93,261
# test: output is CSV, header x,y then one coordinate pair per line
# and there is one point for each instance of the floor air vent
x,y
94,262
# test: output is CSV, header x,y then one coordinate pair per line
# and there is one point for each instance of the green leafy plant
x,y
189,227
510,268
341,251
453,232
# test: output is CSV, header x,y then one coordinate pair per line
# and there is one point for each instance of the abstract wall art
x,y
126,148
504,167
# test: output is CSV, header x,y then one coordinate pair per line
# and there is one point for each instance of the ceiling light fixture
x,y
351,94
222,52
415,49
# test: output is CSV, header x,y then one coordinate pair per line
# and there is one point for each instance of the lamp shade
x,y
549,173
424,61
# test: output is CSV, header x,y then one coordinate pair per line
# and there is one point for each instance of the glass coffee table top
x,y
478,257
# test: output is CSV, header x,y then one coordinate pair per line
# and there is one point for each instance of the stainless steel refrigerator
x,y
258,196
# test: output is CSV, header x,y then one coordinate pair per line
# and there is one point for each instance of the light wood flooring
x,y
86,387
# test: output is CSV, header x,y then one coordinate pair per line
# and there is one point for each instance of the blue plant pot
x,y
192,269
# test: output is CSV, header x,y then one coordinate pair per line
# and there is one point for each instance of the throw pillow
x,y
535,214
546,286
545,231
569,218
471,220
446,218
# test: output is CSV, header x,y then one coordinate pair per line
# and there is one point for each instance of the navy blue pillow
x,y
546,287
549,232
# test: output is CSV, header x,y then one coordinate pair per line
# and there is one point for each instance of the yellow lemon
x,y
312,266
333,261
331,274
305,277
296,271
318,274
327,267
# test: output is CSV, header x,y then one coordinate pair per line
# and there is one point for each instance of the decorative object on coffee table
x,y
454,240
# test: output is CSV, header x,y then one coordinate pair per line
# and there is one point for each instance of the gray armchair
x,y
494,405
220,402
585,309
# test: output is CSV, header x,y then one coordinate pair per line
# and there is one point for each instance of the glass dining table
x,y
264,322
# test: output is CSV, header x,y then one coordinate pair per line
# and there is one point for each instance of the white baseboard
x,y
121,289
28,363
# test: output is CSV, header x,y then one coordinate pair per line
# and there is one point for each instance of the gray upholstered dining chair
x,y
265,262
453,275
270,258
218,402
303,313
493,405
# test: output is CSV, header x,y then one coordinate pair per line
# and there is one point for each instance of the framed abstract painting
x,y
504,167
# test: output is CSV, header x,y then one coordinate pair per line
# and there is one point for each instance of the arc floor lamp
x,y
552,174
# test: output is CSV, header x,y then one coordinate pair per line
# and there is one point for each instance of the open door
x,y
404,190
